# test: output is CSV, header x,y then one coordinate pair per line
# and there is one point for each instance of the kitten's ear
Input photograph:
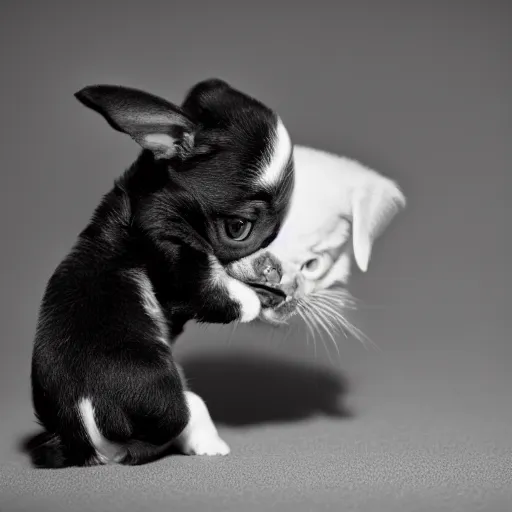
x,y
374,206
153,122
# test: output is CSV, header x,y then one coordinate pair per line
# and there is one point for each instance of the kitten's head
x,y
339,207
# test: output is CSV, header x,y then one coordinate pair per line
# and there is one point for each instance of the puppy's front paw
x,y
204,443
239,293
246,298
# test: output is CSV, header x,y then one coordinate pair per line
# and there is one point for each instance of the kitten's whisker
x,y
342,293
309,329
319,325
360,335
311,319
348,298
304,311
344,299
322,309
327,324
347,325
336,316
332,302
301,313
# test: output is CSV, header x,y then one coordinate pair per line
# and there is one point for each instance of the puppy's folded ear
x,y
374,205
153,122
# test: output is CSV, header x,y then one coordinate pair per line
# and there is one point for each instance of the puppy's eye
x,y
238,229
316,267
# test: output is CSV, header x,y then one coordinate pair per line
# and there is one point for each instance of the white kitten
x,y
339,207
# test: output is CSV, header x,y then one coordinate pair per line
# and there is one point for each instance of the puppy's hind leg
x,y
200,436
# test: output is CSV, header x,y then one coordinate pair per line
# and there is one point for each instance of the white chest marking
x,y
151,305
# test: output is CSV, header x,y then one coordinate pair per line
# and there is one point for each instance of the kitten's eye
x,y
315,268
311,265
238,229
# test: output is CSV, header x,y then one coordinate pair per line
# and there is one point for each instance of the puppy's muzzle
x,y
268,269
268,273
263,272
266,280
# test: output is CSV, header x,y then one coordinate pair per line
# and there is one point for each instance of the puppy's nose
x,y
268,269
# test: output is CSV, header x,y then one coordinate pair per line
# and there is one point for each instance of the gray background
x,y
420,91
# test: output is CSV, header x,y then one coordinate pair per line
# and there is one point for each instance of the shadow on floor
x,y
251,388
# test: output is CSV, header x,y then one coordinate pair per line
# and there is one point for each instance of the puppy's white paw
x,y
246,298
239,293
200,437
204,443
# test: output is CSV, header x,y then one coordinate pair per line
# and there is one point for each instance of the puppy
x,y
339,208
212,184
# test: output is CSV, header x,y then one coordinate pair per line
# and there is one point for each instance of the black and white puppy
x,y
211,185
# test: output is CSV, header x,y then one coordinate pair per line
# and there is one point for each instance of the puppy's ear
x,y
375,204
153,122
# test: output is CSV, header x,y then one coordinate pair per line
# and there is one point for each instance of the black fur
x,y
162,220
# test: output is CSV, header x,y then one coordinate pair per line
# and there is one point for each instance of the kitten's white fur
x,y
339,208
334,197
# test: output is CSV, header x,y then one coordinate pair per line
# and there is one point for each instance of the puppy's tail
x,y
47,451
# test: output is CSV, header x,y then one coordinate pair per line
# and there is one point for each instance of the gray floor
x,y
420,92
404,429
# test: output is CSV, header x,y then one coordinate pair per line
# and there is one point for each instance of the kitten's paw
x,y
207,443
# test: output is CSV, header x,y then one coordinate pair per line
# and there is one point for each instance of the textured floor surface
x,y
302,440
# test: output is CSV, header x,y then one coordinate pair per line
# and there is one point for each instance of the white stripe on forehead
x,y
279,152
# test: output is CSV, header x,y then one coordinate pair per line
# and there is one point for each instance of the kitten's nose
x,y
290,287
268,268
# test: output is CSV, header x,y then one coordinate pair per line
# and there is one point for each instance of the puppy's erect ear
x,y
151,121
375,204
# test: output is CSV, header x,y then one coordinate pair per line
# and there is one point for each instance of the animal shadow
x,y
250,388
